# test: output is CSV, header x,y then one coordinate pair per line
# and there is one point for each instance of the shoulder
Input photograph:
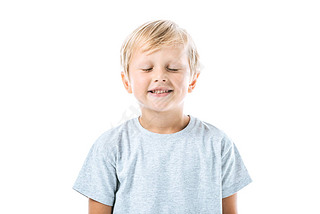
x,y
217,134
111,138
207,128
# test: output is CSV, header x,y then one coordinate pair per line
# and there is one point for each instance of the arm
x,y
98,208
229,204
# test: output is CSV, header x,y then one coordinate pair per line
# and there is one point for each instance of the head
x,y
159,54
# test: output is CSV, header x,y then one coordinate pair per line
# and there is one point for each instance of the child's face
x,y
168,68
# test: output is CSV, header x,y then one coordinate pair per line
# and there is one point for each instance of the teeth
x,y
160,91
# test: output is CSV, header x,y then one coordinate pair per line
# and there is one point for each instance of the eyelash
x,y
170,69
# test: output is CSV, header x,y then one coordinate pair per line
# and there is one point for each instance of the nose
x,y
160,80
160,75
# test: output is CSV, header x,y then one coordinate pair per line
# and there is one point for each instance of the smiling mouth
x,y
160,92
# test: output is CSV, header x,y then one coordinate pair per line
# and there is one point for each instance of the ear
x,y
126,82
193,83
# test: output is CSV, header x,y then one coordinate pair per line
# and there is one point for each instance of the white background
x,y
60,89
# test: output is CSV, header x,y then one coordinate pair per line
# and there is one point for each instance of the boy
x,y
162,161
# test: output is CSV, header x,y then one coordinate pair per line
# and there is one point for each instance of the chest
x,y
187,160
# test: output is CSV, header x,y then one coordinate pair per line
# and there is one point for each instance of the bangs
x,y
162,34
154,35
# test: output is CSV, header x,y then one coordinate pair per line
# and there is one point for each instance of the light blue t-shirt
x,y
139,171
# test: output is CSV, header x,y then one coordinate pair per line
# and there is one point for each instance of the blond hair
x,y
154,35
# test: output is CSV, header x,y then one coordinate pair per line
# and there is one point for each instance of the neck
x,y
164,122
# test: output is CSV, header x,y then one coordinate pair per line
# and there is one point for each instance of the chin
x,y
158,109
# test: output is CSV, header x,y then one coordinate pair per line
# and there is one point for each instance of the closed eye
x,y
148,69
172,69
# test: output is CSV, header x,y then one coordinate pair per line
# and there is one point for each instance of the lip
x,y
160,88
160,95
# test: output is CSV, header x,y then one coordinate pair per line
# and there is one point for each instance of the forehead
x,y
168,52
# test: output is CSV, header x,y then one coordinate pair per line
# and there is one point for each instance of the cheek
x,y
182,82
139,84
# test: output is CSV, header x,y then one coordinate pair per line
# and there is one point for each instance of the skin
x,y
98,208
167,67
229,204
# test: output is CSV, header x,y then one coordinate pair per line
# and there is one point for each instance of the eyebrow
x,y
149,63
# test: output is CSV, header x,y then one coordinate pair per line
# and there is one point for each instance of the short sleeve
x,y
97,178
234,173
